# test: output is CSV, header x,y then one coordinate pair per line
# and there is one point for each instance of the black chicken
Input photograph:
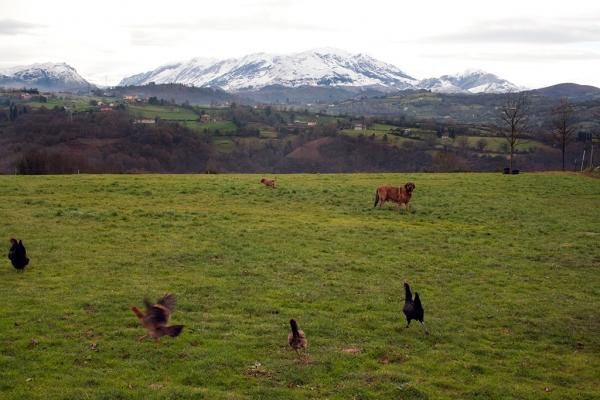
x,y
17,255
413,309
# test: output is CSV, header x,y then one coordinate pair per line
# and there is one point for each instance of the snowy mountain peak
x,y
316,67
469,72
324,67
330,51
469,81
44,76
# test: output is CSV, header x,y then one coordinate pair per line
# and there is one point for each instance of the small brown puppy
x,y
399,195
297,338
268,182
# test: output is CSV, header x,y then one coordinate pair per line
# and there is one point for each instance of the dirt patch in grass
x,y
353,350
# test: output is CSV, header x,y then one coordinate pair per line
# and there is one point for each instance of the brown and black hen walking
x,y
18,255
297,338
157,317
413,309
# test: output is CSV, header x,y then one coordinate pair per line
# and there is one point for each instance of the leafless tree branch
x,y
512,122
562,124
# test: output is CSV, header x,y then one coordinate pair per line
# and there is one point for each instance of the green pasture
x,y
163,112
80,104
493,143
223,126
391,139
265,130
382,127
507,267
223,144
193,125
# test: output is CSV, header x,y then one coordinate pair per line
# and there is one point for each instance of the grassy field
x,y
391,139
223,143
164,112
506,266
494,143
75,103
223,126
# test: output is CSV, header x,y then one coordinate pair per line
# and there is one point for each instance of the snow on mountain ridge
x,y
469,81
315,67
318,67
44,76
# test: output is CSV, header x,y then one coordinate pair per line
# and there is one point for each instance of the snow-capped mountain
x,y
44,76
319,67
470,81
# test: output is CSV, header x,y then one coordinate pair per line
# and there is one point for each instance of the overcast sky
x,y
530,43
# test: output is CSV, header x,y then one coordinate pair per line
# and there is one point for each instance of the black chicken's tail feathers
x,y
418,306
172,331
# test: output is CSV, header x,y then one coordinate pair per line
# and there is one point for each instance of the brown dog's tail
x,y
376,199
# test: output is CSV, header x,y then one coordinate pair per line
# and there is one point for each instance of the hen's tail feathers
x,y
418,306
376,199
172,331
294,326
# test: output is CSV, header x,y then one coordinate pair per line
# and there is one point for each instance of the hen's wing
x,y
409,309
155,314
169,301
160,313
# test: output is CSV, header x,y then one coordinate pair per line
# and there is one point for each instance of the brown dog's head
x,y
409,187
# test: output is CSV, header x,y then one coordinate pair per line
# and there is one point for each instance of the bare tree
x,y
512,122
562,123
446,161
481,144
463,144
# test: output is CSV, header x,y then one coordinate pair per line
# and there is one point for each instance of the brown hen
x,y
297,338
157,317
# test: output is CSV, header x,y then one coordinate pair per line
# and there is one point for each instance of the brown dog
x,y
268,182
399,195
